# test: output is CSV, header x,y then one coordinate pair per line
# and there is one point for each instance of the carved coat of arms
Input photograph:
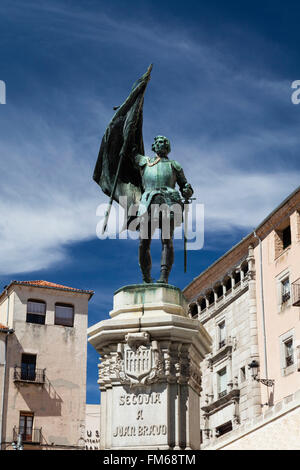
x,y
139,361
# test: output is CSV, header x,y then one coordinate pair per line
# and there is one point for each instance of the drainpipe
x,y
262,304
8,332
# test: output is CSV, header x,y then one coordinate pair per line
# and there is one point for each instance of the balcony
x,y
296,293
29,375
224,398
29,436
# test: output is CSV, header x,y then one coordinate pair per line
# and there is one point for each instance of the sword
x,y
186,202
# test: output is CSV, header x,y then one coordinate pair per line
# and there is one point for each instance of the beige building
x,y
248,301
43,365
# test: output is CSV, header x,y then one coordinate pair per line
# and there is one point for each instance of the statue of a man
x,y
159,177
124,173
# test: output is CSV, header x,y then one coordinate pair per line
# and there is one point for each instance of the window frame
x,y
26,415
282,303
287,369
223,392
221,338
63,304
34,314
28,373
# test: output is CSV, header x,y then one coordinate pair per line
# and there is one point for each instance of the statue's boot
x,y
145,260
164,274
147,279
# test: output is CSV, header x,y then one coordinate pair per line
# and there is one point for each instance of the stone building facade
x,y
248,301
92,427
43,365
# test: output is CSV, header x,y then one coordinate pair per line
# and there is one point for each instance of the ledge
x,y
221,402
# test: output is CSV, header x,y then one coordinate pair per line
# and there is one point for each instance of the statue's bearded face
x,y
161,145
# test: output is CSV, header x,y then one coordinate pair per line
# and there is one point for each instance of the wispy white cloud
x,y
221,120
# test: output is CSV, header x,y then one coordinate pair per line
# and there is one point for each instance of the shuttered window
x,y
64,314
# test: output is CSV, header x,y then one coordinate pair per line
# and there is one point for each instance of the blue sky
x,y
220,90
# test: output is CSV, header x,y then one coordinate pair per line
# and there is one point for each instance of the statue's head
x,y
161,145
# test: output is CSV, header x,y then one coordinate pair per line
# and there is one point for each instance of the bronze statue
x,y
122,169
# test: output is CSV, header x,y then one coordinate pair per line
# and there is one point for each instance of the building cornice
x,y
238,251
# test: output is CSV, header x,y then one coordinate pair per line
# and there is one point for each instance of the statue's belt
x,y
161,188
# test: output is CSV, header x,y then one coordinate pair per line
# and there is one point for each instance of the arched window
x,y
219,291
245,267
237,276
202,303
64,314
227,283
36,311
194,310
211,297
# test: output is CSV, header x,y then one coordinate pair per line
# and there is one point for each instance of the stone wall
x,y
276,429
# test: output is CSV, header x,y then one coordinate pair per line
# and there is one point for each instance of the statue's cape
x,y
123,135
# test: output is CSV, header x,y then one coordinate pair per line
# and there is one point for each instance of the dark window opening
x,y
243,374
211,298
237,277
245,268
202,304
219,291
28,365
228,284
194,310
64,314
36,312
286,237
227,427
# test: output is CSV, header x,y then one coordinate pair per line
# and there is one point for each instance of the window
x,y
194,310
245,268
285,290
282,239
286,237
219,291
36,312
289,355
25,426
227,427
210,297
237,277
287,359
64,314
228,284
243,374
28,367
202,304
222,333
222,382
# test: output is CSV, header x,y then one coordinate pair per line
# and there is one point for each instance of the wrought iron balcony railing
x,y
296,293
28,374
29,435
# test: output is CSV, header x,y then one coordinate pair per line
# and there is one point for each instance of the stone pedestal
x,y
149,375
